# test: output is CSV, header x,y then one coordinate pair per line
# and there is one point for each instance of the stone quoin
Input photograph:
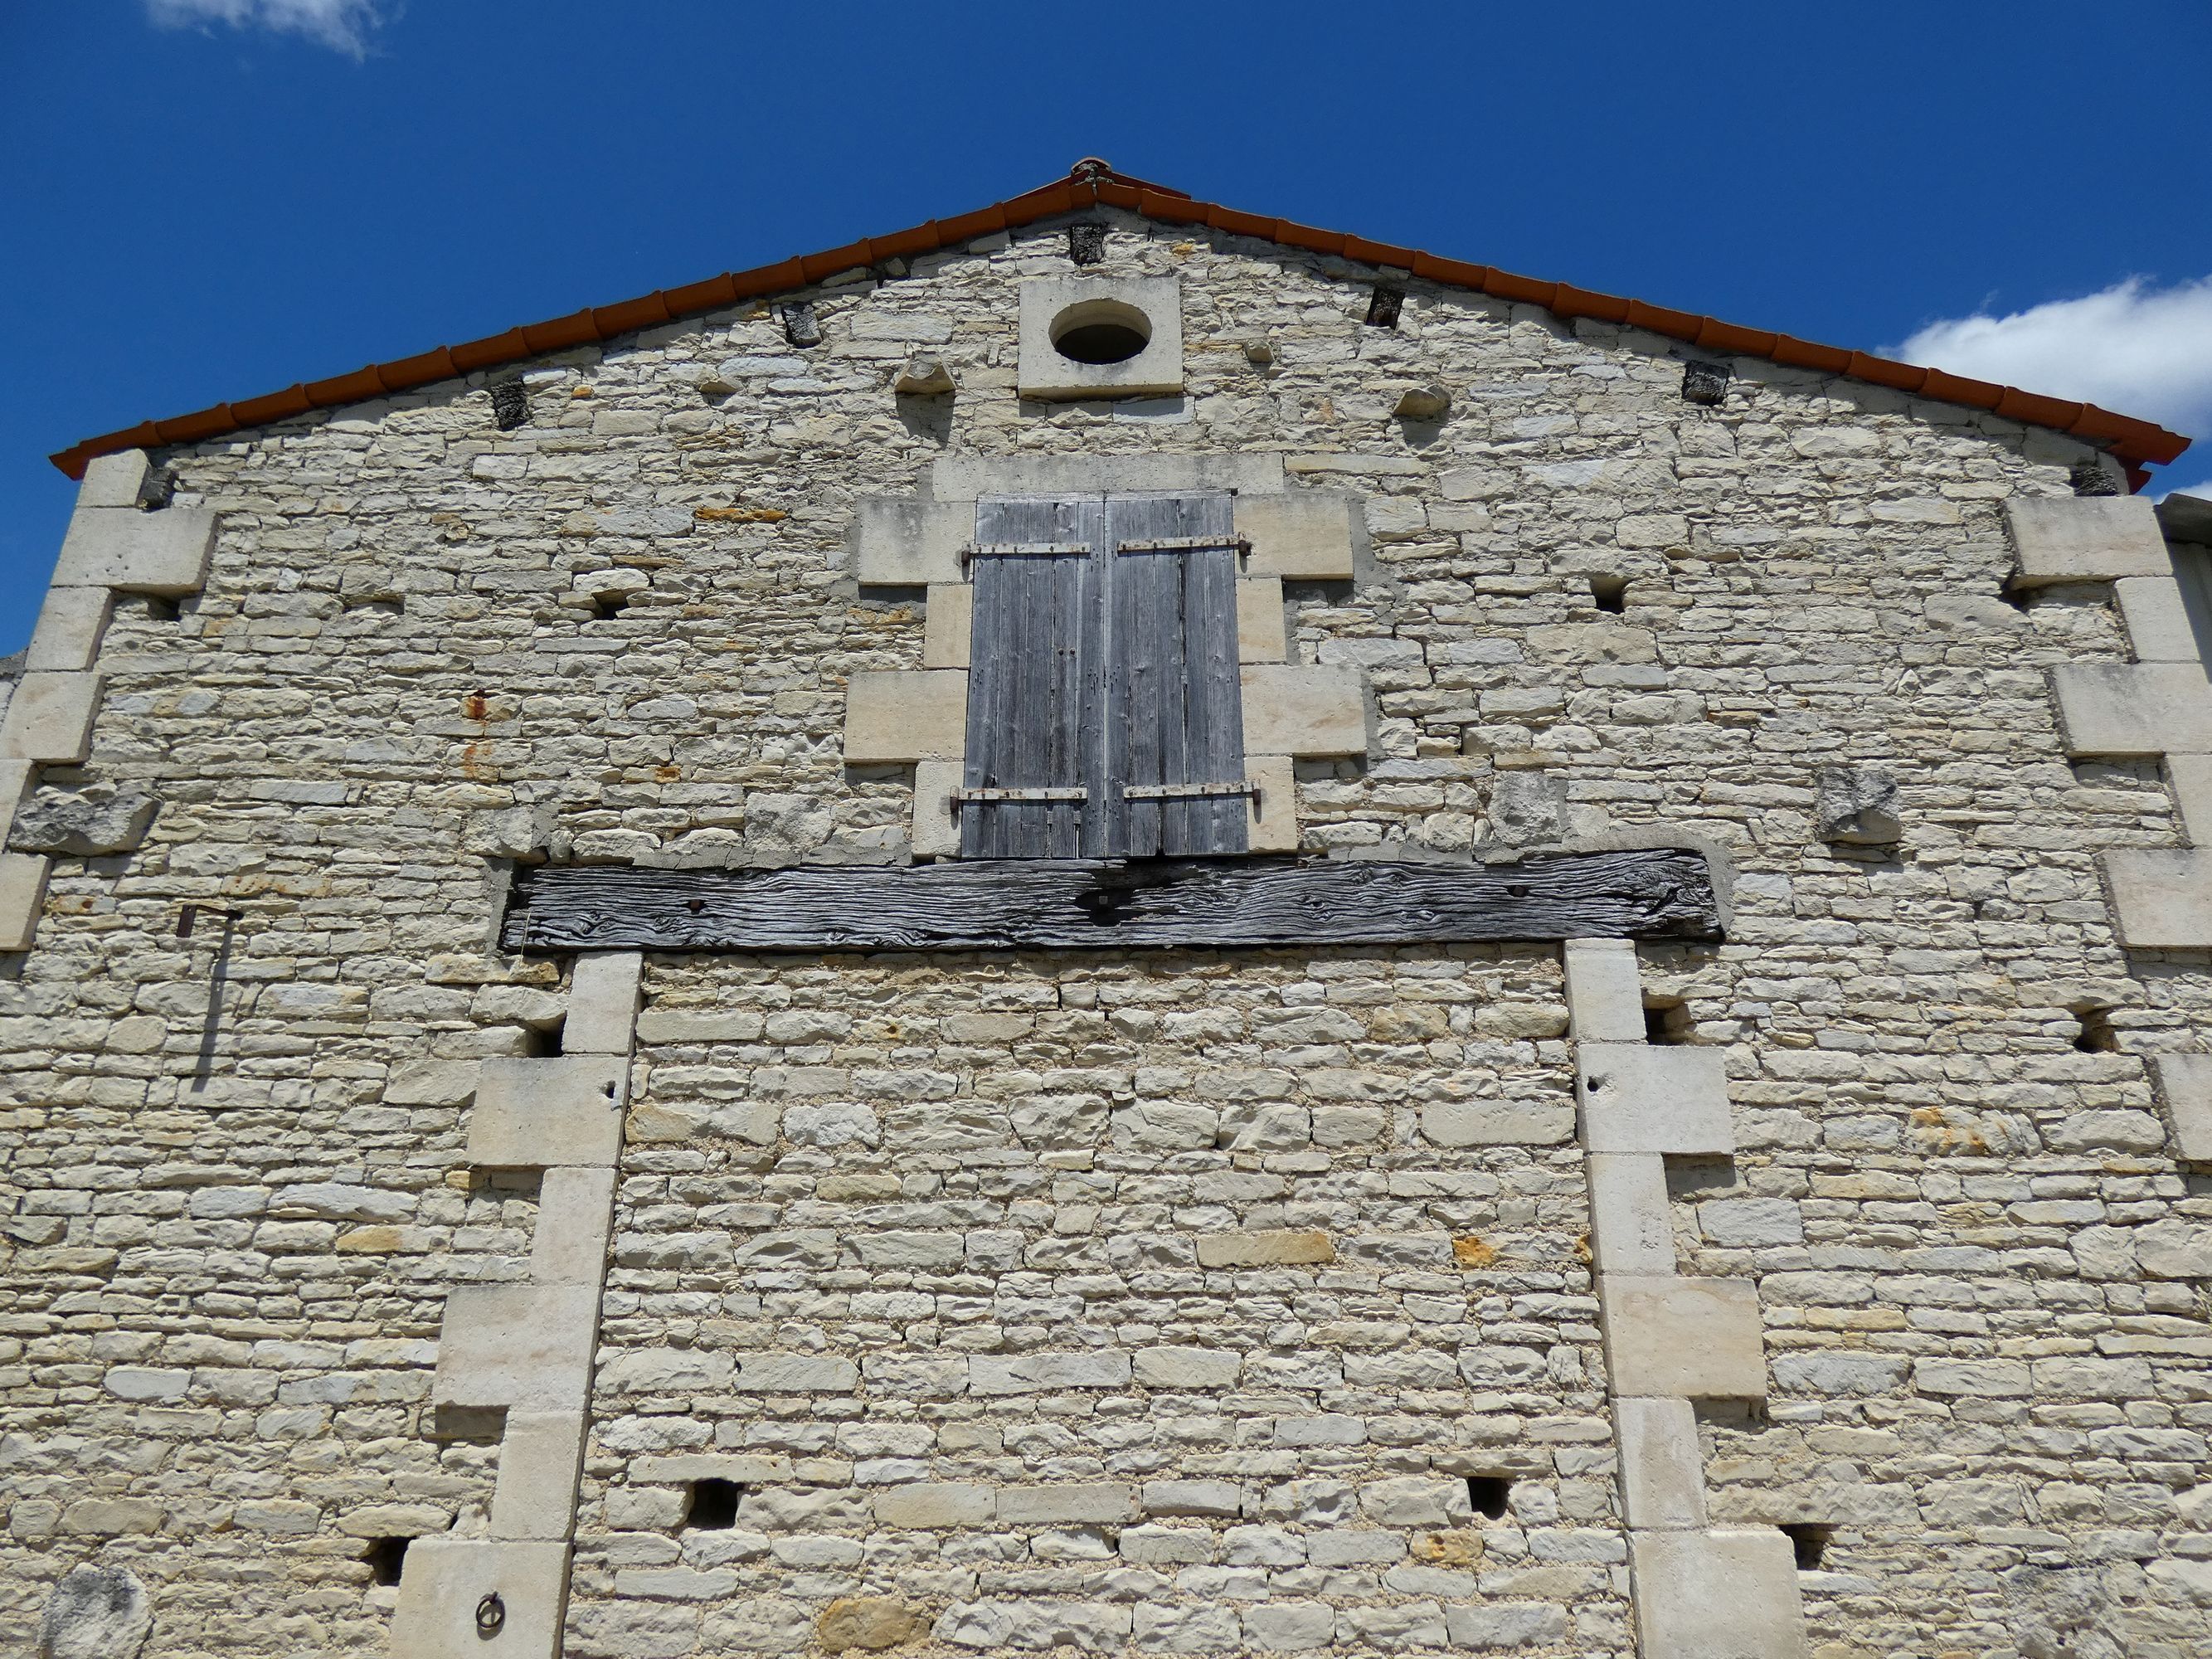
x,y
1113,927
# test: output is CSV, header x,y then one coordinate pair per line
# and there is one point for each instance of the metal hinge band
x,y
1187,791
1184,544
964,796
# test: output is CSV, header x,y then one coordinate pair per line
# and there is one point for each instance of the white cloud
x,y
341,25
2133,347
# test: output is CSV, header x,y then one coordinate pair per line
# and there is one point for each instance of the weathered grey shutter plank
x,y
1026,700
1175,716
1215,824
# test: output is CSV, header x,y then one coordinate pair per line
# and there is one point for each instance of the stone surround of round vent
x,y
1101,337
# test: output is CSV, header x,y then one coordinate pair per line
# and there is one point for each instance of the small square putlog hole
x,y
385,1558
1383,306
2096,1035
713,1505
1809,1542
1667,1020
543,1041
1489,1494
1609,593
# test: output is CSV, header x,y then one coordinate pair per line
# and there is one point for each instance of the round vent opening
x,y
1100,331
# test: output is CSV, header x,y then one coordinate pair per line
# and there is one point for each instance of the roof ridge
x,y
1092,182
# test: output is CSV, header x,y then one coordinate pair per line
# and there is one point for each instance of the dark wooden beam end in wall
x,y
1082,904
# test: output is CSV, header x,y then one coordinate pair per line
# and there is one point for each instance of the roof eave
x,y
1091,183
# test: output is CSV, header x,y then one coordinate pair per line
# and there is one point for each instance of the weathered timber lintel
x,y
1112,905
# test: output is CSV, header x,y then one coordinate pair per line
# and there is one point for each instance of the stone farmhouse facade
x,y
1113,928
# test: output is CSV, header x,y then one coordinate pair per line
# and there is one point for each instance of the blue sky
x,y
205,200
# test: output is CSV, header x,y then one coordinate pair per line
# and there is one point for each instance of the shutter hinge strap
x,y
1187,791
964,796
975,550
1184,544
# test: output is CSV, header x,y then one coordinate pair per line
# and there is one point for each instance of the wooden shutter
x,y
1035,683
1103,714
1173,714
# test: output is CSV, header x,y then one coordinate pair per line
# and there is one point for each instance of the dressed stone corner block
x,y
533,1114
22,894
1296,710
1300,535
2191,778
2134,710
576,1213
897,715
1261,628
1637,1098
1692,1339
2085,538
540,1454
2161,896
165,552
517,1346
1631,1222
1101,337
445,1589
71,624
1605,998
117,480
1271,822
602,1003
947,625
1718,1595
49,719
1663,1477
936,833
15,779
901,542
2185,1082
2157,620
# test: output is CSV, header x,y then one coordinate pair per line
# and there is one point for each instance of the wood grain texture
x,y
1112,905
1175,710
1028,687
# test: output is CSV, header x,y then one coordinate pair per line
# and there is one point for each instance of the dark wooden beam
x,y
1111,905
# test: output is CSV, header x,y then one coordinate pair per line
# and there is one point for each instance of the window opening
x,y
1383,306
1105,715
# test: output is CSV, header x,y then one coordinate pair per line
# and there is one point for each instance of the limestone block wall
x,y
1169,1302
235,1175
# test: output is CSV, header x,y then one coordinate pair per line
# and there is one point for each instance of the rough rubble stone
x,y
1856,806
95,1612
